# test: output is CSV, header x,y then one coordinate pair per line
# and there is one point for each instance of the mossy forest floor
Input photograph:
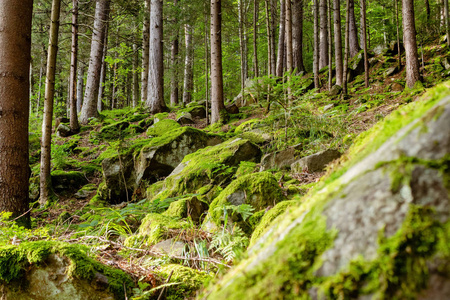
x,y
315,121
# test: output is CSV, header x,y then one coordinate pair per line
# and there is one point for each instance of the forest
x,y
276,149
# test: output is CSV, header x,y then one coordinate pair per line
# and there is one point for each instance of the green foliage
x,y
12,233
231,244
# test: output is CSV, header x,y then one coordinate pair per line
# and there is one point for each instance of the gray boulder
x,y
170,247
185,119
316,162
280,159
63,130
335,90
390,71
446,63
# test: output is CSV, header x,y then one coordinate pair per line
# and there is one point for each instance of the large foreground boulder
x,y
378,228
53,270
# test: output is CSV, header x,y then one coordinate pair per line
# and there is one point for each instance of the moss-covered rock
x,y
259,190
162,127
375,228
201,171
187,280
67,181
54,270
113,131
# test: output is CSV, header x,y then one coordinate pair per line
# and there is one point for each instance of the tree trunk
x,y
281,36
316,45
364,42
74,126
135,76
428,9
155,96
409,39
145,50
353,33
289,54
101,88
330,48
207,9
46,147
447,22
397,25
346,50
323,35
188,65
41,74
15,38
243,43
270,69
338,41
255,37
89,108
174,62
217,102
80,89
297,35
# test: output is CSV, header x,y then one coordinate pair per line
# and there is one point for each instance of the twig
x,y
164,288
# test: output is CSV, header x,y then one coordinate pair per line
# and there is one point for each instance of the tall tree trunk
x,y
15,52
255,37
364,42
273,29
428,9
46,147
217,102
297,35
135,75
80,89
89,108
41,74
155,98
330,48
207,9
243,43
101,88
270,71
323,35
409,39
174,62
338,41
145,50
281,37
74,126
397,25
188,65
447,22
353,33
346,50
289,54
316,45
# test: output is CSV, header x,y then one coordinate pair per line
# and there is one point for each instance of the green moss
x,y
154,189
113,131
187,281
247,126
16,260
269,218
161,116
261,190
63,180
253,137
177,209
162,127
245,168
155,227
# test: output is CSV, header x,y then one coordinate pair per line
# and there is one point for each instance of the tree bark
x,y
281,37
155,96
353,31
338,41
89,108
174,63
74,126
255,37
217,102
45,177
273,29
80,89
270,69
41,74
15,55
447,22
330,48
289,54
297,35
397,25
409,39
364,42
323,35
316,45
135,81
346,50
145,50
243,42
207,9
101,87
188,65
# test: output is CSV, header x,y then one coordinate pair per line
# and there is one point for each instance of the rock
x,y
280,159
197,111
393,48
316,162
162,155
232,109
63,181
113,131
335,90
86,191
61,120
162,127
446,63
390,71
357,64
52,270
443,39
170,247
380,49
200,171
63,130
378,222
185,119
259,190
373,61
